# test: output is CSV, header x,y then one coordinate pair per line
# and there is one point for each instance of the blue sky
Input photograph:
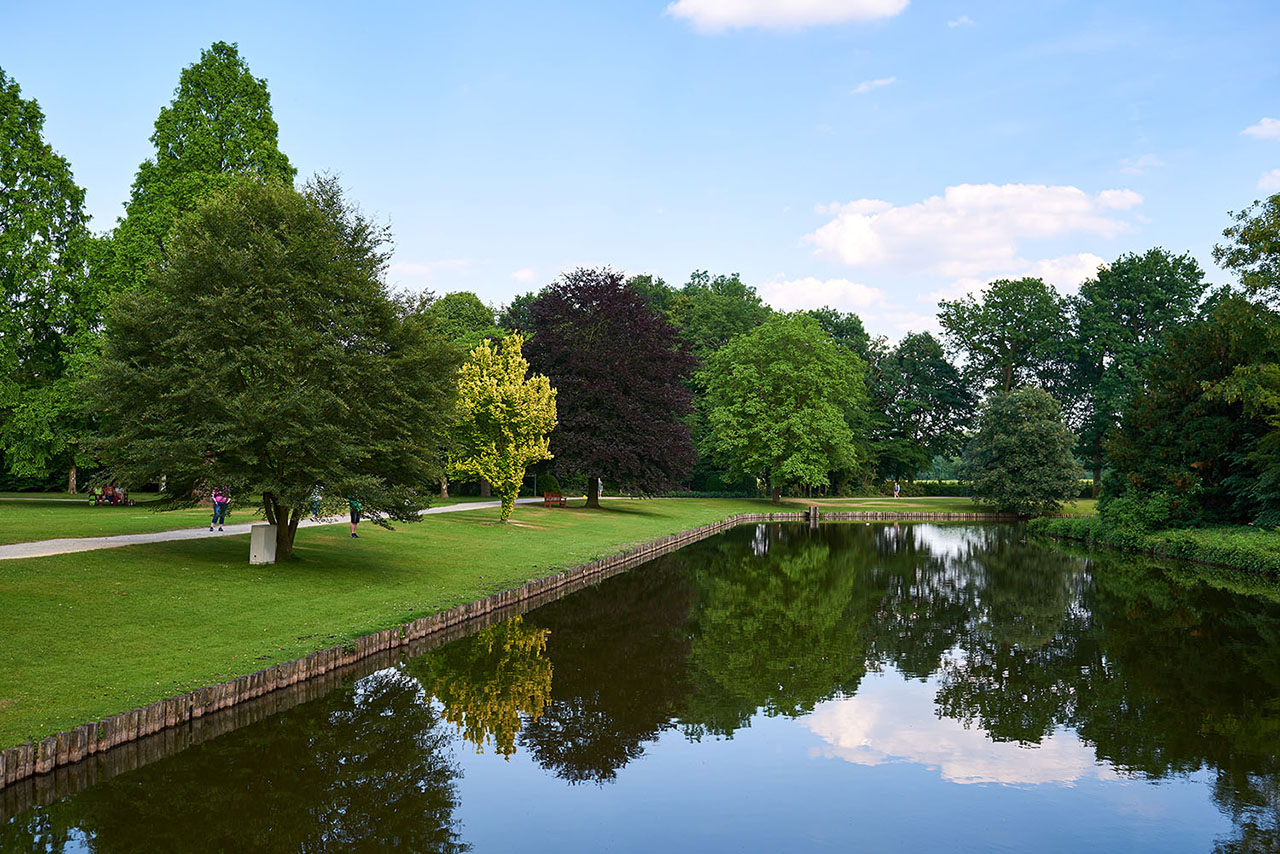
x,y
873,155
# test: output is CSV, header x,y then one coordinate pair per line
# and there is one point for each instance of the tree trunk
x,y
777,495
444,486
285,533
593,492
1097,470
486,491
71,479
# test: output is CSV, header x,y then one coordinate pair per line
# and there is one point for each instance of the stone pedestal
x,y
262,543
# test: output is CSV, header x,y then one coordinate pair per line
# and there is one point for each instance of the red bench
x,y
553,499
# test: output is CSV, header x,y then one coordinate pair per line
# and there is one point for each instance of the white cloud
x,y
867,85
1270,181
1265,129
972,230
715,15
962,21
810,292
893,720
524,275
1066,274
1140,164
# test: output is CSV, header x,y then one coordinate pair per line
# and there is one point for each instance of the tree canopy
x,y
463,318
268,357
1011,336
218,125
45,301
1022,458
777,403
620,375
504,416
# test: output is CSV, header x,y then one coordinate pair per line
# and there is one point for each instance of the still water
x,y
850,688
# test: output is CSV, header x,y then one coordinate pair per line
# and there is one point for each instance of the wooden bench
x,y
553,499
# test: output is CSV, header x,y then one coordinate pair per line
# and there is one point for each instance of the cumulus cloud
x,y
867,85
1066,274
810,292
715,15
1270,181
524,275
1265,129
892,720
972,230
1140,164
962,21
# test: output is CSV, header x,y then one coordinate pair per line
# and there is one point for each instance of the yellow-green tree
x,y
505,417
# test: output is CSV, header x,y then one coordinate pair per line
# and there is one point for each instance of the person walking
x,y
317,496
896,489
356,507
221,498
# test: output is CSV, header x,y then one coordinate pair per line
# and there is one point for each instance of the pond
x,y
859,687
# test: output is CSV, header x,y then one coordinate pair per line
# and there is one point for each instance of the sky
x,y
871,155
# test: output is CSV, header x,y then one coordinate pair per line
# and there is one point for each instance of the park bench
x,y
553,499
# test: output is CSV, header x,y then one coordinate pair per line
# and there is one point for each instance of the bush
x,y
548,483
1241,547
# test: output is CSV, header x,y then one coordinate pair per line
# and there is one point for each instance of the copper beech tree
x,y
267,356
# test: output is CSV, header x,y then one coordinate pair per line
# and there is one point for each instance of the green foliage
x,y
548,483
1122,315
218,125
46,303
711,311
1199,432
267,356
504,416
1012,336
1021,459
1240,547
777,402
461,317
1253,249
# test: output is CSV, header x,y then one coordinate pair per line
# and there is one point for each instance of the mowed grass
x,y
96,633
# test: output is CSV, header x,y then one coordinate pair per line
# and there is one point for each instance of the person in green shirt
x,y
356,507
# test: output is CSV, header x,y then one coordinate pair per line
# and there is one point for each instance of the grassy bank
x,y
920,505
96,633
1237,546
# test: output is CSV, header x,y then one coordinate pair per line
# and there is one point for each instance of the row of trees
x,y
249,329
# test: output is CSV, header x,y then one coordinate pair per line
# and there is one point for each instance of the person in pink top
x,y
221,498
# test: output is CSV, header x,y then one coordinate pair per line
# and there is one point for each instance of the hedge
x,y
1238,546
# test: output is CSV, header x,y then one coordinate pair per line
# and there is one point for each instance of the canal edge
x,y
36,758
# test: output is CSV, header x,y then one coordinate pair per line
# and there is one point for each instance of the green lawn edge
x,y
1235,546
92,634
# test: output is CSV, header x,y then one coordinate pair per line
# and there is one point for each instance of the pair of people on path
x,y
221,499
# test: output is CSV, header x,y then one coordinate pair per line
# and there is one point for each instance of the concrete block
x,y
262,543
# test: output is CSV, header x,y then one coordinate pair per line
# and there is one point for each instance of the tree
x,y
45,301
461,317
1253,249
504,416
1021,460
846,330
710,311
267,356
1121,316
777,399
218,125
620,375
925,403
1012,336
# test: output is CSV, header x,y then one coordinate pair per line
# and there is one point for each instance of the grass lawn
x,y
96,633
920,505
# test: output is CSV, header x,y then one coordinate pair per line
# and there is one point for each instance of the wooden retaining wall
x,y
200,714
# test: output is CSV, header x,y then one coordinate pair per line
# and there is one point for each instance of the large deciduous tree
x,y
218,125
463,318
926,406
1022,458
504,417
1013,335
711,310
778,400
45,301
267,355
1252,249
620,374
1121,316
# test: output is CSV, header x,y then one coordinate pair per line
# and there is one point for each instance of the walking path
x,y
44,548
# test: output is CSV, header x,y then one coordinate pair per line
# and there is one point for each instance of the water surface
x,y
849,688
